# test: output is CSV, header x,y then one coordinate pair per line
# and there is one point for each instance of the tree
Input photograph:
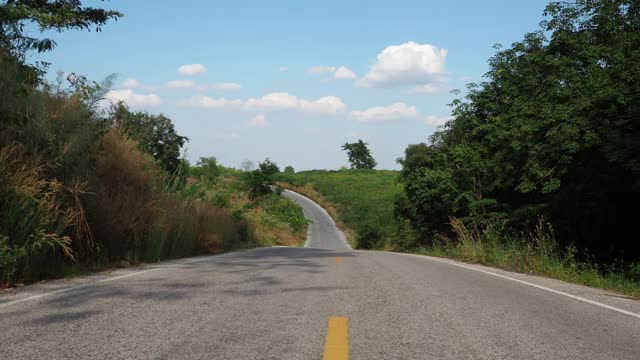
x,y
359,155
260,180
553,131
155,134
247,165
207,169
289,170
58,15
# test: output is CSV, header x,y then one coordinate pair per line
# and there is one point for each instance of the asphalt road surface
x,y
321,302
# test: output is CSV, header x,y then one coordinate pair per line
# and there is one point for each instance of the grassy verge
x,y
274,220
362,201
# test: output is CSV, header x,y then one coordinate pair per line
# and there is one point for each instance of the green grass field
x,y
360,199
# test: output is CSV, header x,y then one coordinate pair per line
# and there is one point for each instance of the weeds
x,y
536,252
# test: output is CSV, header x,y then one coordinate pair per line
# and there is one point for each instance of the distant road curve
x,y
323,232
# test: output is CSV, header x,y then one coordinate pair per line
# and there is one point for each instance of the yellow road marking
x,y
338,260
336,347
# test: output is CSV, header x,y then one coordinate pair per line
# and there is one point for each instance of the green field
x,y
361,199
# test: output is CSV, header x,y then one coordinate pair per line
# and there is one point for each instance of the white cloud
x,y
272,102
192,69
432,120
344,73
258,120
132,99
319,69
283,69
226,136
203,101
181,84
341,72
394,111
429,89
226,86
131,83
406,64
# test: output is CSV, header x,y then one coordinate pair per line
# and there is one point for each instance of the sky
x,y
294,80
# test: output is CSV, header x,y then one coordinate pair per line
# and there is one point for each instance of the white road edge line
x,y
622,311
63,290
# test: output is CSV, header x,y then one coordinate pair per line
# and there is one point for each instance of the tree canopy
x,y
58,15
553,131
359,155
155,134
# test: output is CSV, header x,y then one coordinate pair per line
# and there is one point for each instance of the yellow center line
x,y
338,260
336,346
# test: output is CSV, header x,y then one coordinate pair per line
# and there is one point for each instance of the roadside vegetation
x,y
538,169
84,186
360,201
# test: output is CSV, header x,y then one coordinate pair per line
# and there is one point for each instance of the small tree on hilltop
x,y
261,179
359,155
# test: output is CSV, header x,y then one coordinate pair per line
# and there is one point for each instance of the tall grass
x,y
271,219
76,191
536,252
137,219
33,217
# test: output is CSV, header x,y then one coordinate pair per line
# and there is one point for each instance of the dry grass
x,y
34,214
136,219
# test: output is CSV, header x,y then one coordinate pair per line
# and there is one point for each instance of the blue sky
x,y
293,80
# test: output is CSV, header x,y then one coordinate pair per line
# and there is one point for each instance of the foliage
x,y
553,131
289,170
59,15
75,188
207,169
271,219
155,134
536,252
359,155
260,180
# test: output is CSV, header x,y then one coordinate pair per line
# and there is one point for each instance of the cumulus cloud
x,y
344,73
192,69
207,102
181,84
394,111
406,64
258,120
131,83
432,120
340,73
132,99
226,86
319,69
272,102
430,89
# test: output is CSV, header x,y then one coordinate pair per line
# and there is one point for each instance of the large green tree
x,y
155,134
553,131
359,155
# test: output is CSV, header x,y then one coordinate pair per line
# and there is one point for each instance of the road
x,y
316,303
